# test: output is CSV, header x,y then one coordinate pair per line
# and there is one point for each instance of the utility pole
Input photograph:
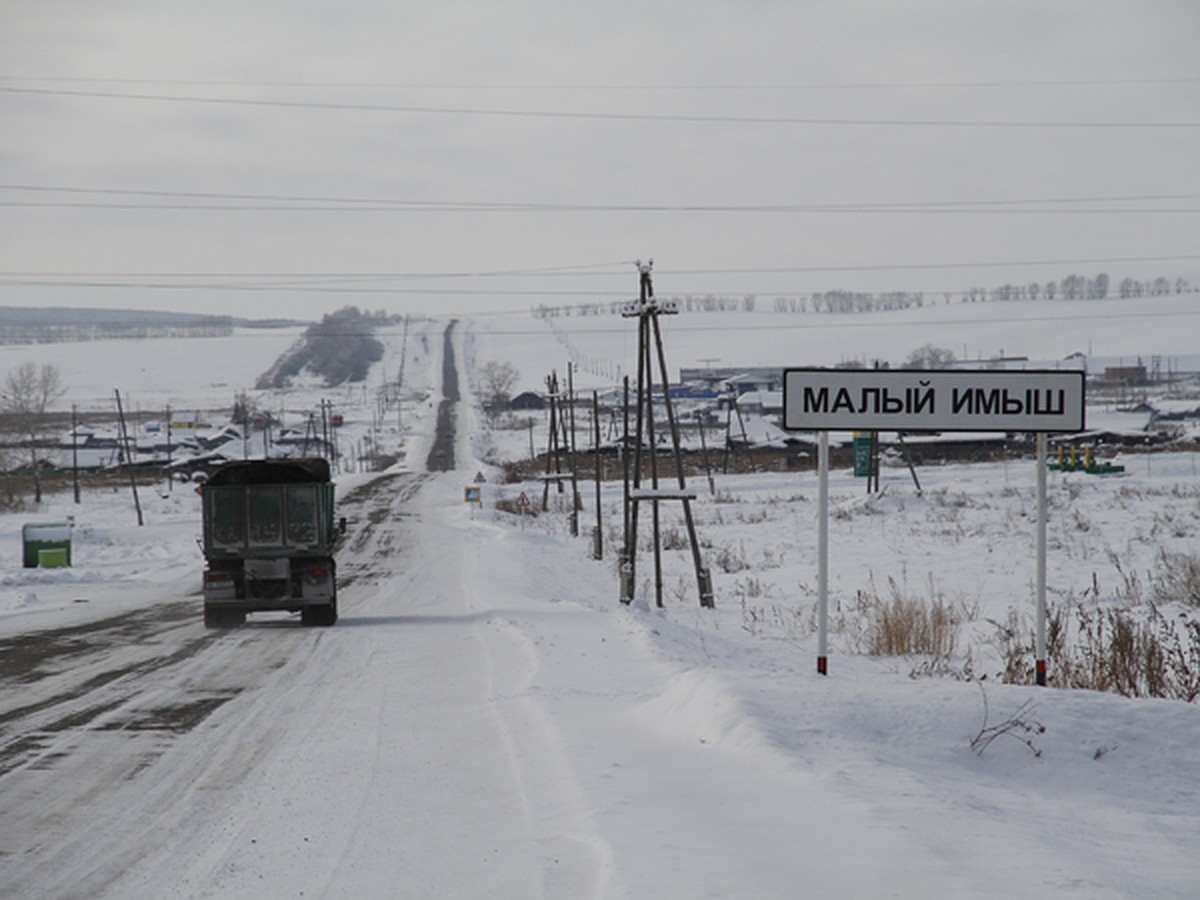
x,y
576,501
712,487
627,550
729,442
129,459
650,347
167,426
598,540
558,446
75,452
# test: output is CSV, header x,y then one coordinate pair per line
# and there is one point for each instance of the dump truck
x,y
268,541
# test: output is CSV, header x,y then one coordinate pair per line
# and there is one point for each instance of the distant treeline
x,y
1080,287
1072,287
338,349
59,334
29,325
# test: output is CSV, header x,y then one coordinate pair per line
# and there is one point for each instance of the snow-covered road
x,y
463,731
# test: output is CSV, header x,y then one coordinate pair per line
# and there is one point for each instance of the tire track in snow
x,y
574,860
106,793
71,680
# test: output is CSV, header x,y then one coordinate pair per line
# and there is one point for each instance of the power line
x,y
593,116
313,203
615,87
591,208
313,198
592,270
1110,260
809,321
813,321
594,295
302,289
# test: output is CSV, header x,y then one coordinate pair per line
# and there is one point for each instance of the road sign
x,y
824,400
472,494
933,400
862,454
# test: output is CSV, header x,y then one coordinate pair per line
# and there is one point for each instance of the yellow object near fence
x,y
53,559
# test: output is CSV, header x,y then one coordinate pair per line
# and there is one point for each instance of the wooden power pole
x,y
650,349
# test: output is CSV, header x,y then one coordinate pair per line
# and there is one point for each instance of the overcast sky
x,y
272,158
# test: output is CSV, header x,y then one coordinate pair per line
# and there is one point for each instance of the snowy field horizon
x,y
180,372
649,752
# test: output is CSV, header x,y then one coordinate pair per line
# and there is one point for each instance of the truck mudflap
x,y
319,615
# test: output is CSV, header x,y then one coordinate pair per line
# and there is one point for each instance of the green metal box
x,y
46,544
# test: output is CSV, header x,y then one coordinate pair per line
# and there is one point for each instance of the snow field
x,y
741,679
487,720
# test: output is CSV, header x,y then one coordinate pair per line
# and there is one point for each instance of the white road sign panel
x,y
932,400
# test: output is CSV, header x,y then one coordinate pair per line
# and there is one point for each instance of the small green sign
x,y
862,455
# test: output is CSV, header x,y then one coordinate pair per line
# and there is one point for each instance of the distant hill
x,y
69,315
58,324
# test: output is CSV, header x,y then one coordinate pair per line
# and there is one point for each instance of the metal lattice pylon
x,y
647,310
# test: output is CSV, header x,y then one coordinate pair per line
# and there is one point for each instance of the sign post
x,y
824,400
1040,634
823,554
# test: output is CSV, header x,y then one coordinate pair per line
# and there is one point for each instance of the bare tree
x,y
28,394
497,380
930,357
